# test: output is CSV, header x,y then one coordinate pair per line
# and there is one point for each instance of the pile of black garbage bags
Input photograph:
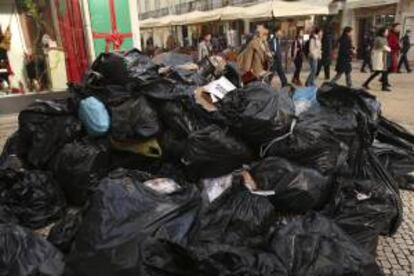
x,y
131,176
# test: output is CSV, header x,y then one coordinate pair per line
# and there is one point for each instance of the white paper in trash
x,y
219,88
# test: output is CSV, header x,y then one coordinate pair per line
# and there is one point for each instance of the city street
x,y
395,254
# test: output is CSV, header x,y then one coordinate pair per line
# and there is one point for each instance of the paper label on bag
x,y
219,88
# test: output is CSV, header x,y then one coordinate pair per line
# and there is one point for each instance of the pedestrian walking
x,y
345,54
367,45
328,41
406,45
314,51
205,48
380,60
394,43
297,56
276,49
256,56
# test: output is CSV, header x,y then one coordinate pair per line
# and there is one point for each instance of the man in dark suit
x,y
406,45
276,49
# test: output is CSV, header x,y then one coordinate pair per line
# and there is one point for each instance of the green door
x,y
111,25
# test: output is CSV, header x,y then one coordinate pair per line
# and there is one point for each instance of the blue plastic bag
x,y
94,116
304,98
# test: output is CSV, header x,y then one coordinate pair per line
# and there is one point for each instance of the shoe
x,y
363,71
399,72
366,87
409,71
386,89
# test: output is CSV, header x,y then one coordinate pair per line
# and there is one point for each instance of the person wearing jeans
x,y
345,53
297,56
380,60
315,54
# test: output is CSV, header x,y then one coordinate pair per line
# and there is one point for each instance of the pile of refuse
x,y
161,167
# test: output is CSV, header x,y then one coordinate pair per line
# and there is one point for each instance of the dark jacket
x,y
368,43
327,46
275,47
345,52
406,44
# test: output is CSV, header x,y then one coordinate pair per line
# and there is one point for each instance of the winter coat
x,y
406,44
315,48
255,57
380,54
327,47
204,49
345,52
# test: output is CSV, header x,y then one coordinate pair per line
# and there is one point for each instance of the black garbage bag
x,y
22,253
258,113
235,217
172,59
366,205
177,116
312,143
122,68
134,118
392,133
314,245
167,258
126,210
64,231
44,127
398,161
31,196
212,152
11,147
362,105
164,89
297,189
79,166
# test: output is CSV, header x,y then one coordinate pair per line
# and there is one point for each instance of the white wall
x,y
16,53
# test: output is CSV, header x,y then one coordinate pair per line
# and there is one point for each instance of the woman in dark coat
x,y
345,53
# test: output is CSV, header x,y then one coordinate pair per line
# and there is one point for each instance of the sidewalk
x,y
397,105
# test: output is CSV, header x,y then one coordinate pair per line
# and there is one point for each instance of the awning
x,y
276,8
262,10
297,8
196,17
355,4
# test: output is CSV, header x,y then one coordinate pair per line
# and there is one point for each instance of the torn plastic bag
x,y
94,116
297,189
258,113
134,119
124,213
235,217
392,133
22,253
64,231
366,205
78,167
44,127
31,196
313,245
122,68
304,98
398,161
311,143
213,152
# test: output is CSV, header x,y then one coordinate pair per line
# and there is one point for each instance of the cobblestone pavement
x,y
395,254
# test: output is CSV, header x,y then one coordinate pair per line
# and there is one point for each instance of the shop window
x,y
384,20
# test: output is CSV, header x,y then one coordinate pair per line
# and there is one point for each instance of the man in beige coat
x,y
256,57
